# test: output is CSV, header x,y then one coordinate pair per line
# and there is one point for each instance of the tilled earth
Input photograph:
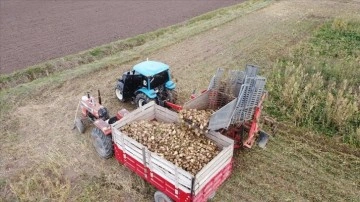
x,y
36,31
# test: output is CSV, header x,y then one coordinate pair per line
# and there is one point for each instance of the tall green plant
x,y
319,85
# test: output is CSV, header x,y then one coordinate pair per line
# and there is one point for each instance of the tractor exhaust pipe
x,y
99,96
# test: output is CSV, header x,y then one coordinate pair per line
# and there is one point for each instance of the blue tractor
x,y
147,81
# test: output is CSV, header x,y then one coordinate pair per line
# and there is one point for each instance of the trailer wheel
x,y
79,125
212,196
161,197
102,143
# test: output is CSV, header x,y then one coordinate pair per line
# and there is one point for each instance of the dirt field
x,y
36,31
41,158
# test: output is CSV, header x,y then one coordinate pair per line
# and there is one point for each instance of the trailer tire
x,y
212,196
161,197
102,143
79,125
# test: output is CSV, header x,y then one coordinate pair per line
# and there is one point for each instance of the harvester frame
x,y
238,101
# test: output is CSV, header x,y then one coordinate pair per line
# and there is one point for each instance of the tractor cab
x,y
147,81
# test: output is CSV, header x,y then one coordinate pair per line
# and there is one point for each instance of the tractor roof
x,y
150,68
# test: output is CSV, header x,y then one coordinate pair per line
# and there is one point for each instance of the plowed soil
x,y
36,31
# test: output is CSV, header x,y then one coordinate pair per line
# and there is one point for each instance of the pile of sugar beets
x,y
183,144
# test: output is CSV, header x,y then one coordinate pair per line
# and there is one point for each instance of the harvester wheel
x,y
262,140
102,143
172,96
161,197
79,125
141,99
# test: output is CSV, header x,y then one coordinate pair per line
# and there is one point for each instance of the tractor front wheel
x,y
141,99
79,125
119,91
119,95
102,143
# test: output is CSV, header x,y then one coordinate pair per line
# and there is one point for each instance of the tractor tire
x,y
119,92
172,96
79,125
113,120
141,99
161,197
102,143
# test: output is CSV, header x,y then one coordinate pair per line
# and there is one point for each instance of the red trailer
x,y
173,183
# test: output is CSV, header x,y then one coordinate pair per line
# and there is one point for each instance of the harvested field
x,y
41,158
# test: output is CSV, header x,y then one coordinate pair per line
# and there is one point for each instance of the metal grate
x,y
250,94
246,87
236,80
216,79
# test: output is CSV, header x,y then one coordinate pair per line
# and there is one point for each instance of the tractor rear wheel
x,y
102,143
79,125
172,96
161,197
141,99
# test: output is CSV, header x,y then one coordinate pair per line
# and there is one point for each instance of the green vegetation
x,y
96,52
319,85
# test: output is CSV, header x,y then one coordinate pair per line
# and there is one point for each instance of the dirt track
x,y
36,31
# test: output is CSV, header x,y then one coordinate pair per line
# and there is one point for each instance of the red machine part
x,y
254,127
168,188
88,105
103,126
234,133
173,106
176,107
237,132
121,113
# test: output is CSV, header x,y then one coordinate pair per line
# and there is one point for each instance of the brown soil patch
x,y
36,31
